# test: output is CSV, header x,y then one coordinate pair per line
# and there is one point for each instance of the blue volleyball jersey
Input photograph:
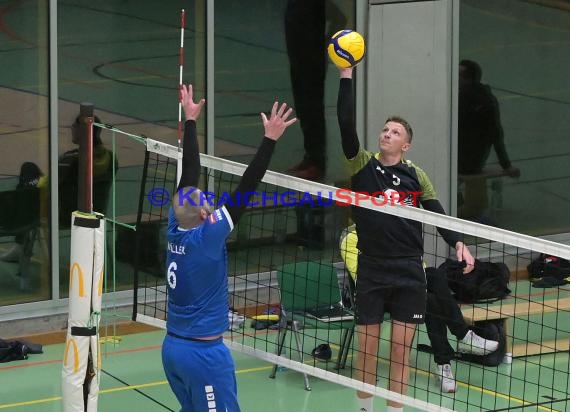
x,y
196,274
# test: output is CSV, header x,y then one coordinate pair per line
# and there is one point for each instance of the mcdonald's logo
x,y
80,279
71,342
98,354
100,287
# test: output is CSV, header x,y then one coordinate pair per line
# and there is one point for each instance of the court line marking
x,y
119,352
259,369
468,386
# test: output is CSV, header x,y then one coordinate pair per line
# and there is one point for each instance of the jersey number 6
x,y
171,275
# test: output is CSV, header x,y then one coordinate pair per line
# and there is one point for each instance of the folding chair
x,y
305,288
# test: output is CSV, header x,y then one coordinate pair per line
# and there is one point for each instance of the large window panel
x,y
24,143
123,57
277,51
523,51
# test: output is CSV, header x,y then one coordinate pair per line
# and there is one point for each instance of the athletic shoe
x,y
445,376
322,352
236,320
475,344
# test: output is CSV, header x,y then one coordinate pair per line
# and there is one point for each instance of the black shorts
x,y
393,285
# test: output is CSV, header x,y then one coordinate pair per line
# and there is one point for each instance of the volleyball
x,y
346,48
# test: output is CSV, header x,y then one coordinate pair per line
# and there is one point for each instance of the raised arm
x,y
274,127
346,116
191,155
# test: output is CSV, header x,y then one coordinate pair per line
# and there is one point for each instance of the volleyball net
x,y
292,297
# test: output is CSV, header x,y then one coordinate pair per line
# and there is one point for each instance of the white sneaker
x,y
236,320
445,376
475,344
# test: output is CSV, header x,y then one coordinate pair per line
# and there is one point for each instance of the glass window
x,y
123,57
24,144
276,51
514,104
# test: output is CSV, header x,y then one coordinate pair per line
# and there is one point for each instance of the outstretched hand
x,y
191,110
278,121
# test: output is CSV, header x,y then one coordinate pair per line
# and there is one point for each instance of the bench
x,y
522,308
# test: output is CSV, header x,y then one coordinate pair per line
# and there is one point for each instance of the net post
x,y
85,159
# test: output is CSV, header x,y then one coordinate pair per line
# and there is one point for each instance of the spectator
x,y
103,160
30,176
479,123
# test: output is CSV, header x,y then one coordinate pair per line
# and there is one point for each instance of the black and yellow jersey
x,y
382,235
404,184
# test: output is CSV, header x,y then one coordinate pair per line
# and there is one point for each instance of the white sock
x,y
365,404
394,409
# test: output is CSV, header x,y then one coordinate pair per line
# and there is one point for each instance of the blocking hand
x,y
278,121
191,110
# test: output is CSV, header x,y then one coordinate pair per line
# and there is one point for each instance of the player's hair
x,y
472,70
403,122
188,213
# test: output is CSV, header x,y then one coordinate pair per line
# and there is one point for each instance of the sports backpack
x,y
487,282
548,265
11,351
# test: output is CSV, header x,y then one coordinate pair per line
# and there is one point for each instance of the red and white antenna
x,y
182,16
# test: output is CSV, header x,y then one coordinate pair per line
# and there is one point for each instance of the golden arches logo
x,y
71,342
98,354
100,287
80,279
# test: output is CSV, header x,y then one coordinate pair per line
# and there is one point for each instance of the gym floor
x,y
132,376
132,379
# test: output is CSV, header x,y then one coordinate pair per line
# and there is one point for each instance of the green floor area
x,y
133,379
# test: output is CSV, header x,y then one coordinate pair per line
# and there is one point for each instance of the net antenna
x,y
181,69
